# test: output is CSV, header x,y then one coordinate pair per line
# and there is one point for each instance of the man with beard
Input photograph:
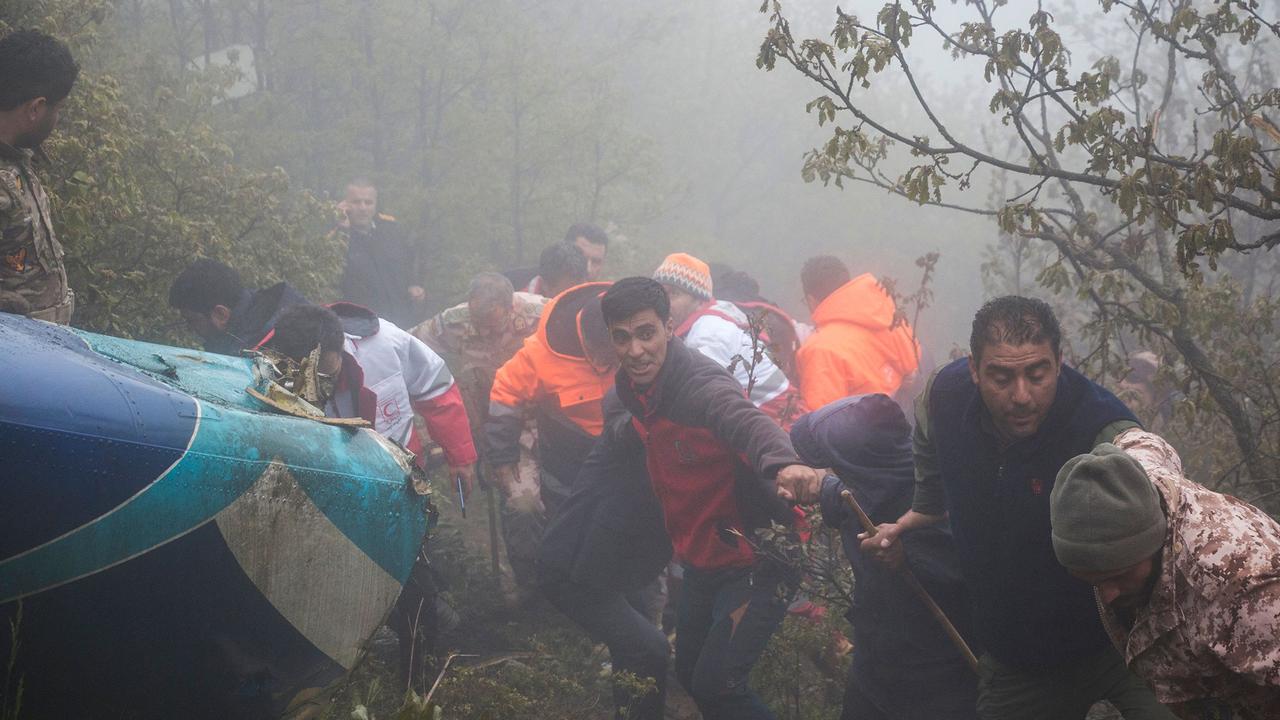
x,y
36,75
992,431
1187,579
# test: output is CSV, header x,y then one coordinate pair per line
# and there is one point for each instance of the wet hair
x,y
1015,320
563,264
302,327
633,295
34,65
205,284
490,290
592,233
823,275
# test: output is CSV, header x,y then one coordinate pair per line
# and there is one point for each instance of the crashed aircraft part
x,y
279,537
178,549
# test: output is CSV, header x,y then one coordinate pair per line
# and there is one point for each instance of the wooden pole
x,y
911,581
492,502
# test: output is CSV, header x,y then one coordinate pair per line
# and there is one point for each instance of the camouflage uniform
x,y
1208,640
30,256
474,360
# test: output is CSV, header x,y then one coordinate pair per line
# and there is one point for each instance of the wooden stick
x,y
910,578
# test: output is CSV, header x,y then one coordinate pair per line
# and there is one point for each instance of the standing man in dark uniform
x,y
381,267
36,75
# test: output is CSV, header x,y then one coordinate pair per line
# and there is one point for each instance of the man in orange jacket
x,y
559,376
855,348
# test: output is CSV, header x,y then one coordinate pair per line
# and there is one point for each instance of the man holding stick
x,y
992,432
905,667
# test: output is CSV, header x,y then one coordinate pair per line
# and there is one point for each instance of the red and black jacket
x,y
712,456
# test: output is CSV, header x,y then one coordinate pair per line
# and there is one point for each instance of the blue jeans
x,y
725,620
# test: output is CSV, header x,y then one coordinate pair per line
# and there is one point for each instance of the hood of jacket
x,y
866,441
572,325
863,304
357,320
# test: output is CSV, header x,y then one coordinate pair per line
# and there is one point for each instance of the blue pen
x,y
462,500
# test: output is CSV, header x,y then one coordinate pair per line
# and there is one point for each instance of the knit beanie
x,y
1105,512
687,273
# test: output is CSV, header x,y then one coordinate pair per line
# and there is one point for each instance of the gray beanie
x,y
1105,512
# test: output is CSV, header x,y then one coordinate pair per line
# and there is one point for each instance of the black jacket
x,y
254,317
866,441
381,265
609,533
1028,612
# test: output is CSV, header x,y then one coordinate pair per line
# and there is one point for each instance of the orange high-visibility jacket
x,y
552,375
853,351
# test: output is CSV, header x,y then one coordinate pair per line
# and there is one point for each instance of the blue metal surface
x,y
77,436
121,463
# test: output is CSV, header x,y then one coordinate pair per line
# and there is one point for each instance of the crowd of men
x,y
629,424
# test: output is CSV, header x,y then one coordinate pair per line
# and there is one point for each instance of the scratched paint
x,y
321,519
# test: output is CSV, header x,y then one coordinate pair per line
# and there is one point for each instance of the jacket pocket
x,y
575,396
17,246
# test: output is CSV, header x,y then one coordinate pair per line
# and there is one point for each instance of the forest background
x,y
1116,157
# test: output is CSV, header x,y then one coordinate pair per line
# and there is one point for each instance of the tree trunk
x,y
377,134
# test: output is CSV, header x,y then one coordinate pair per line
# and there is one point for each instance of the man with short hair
x,y
560,267
228,318
1187,579
855,348
479,335
476,338
381,264
590,240
992,431
720,468
594,244
36,76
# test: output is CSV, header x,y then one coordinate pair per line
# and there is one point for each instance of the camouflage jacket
x,y
475,358
1208,640
30,256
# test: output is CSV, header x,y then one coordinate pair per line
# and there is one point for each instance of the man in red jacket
x,y
720,468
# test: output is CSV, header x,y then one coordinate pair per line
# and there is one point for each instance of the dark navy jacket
x,y
381,265
1028,612
866,441
254,318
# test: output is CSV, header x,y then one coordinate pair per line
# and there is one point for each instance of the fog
x,y
490,126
